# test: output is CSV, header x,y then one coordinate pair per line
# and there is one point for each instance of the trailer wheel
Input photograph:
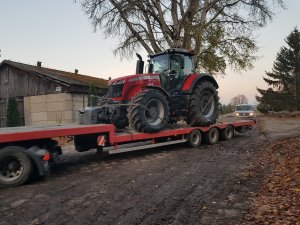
x,y
212,136
194,138
15,166
227,133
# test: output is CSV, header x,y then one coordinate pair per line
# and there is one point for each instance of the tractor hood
x,y
150,79
125,88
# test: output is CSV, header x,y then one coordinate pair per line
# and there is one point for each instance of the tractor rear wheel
x,y
203,107
149,111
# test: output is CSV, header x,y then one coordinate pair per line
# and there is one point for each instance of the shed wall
x,y
62,108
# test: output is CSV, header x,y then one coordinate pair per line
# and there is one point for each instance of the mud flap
x,y
40,158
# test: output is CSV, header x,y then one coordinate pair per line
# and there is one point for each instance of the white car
x,y
245,111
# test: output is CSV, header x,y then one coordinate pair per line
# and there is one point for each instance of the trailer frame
x,y
36,144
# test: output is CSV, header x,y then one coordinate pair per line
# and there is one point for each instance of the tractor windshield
x,y
160,63
172,68
177,62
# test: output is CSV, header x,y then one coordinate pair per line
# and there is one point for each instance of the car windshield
x,y
243,107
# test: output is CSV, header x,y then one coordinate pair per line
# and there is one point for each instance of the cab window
x,y
160,63
188,65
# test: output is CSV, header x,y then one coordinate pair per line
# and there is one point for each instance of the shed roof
x,y
60,76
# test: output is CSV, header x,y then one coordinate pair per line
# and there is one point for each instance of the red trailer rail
x,y
34,133
24,149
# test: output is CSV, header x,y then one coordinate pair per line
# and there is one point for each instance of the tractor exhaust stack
x,y
139,64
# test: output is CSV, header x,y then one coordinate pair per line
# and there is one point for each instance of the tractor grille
x,y
115,90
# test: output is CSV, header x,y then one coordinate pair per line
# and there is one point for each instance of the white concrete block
x,y
56,106
39,116
38,107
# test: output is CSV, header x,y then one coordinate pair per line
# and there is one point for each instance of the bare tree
x,y
219,31
238,100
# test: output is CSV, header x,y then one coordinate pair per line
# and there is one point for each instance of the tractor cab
x,y
173,66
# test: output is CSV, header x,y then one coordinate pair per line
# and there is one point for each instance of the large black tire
x,y
212,136
149,111
194,138
15,166
227,133
203,107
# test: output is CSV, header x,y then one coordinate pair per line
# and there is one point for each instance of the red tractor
x,y
149,102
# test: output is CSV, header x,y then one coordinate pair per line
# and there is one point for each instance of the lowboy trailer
x,y
28,151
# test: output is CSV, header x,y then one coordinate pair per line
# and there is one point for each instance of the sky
x,y
60,35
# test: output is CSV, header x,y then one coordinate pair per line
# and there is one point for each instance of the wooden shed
x,y
22,80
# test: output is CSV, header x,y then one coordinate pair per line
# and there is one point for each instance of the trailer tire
x,y
227,133
149,111
212,136
15,166
194,138
203,107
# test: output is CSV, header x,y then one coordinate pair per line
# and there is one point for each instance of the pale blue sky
x,y
60,35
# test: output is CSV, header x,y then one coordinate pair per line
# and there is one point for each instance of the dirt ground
x,y
173,185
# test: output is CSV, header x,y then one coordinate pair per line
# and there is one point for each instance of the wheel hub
x,y
13,165
10,169
154,112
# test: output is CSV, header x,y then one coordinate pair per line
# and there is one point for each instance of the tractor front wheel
x,y
149,111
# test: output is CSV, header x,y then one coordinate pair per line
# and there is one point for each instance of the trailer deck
x,y
16,134
26,149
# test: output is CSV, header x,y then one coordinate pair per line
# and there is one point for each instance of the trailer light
x,y
46,157
144,78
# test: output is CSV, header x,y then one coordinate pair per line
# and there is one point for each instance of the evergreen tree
x,y
225,108
12,114
284,78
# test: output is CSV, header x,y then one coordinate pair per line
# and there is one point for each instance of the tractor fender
x,y
192,80
158,88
